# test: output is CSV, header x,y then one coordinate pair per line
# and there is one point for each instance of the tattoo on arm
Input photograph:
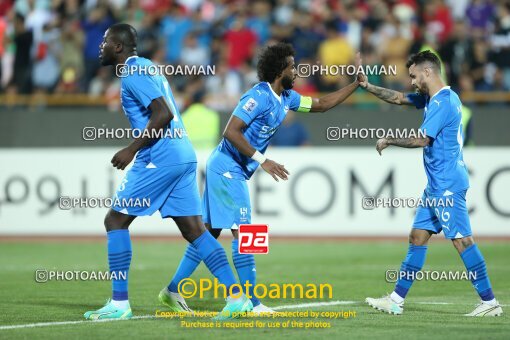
x,y
390,96
409,142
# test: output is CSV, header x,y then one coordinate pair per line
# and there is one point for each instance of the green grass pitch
x,y
354,269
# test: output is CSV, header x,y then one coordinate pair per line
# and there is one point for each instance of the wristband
x,y
258,157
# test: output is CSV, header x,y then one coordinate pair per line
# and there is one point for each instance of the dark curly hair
x,y
423,57
273,60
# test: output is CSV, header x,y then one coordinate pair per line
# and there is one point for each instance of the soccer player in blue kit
x,y
259,113
447,179
164,171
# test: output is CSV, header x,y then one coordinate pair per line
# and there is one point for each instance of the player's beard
x,y
105,61
287,83
420,90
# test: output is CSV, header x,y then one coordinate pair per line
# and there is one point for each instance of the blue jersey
x,y
443,160
138,90
263,111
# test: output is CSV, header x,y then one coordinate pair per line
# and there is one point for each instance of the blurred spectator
x,y
305,37
225,84
174,28
193,53
260,22
457,52
500,43
96,23
458,8
21,81
202,124
240,43
148,37
46,65
201,29
37,15
438,20
395,51
291,132
71,58
477,66
283,12
480,14
5,7
335,50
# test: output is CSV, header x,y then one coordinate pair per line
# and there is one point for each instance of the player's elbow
x,y
227,134
161,112
320,107
165,114
424,141
399,100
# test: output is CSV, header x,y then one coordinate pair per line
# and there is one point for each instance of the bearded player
x,y
164,171
447,179
226,201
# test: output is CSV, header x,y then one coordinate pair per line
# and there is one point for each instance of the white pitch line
x,y
316,304
61,323
303,305
434,303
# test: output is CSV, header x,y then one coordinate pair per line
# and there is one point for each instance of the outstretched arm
x,y
333,99
389,96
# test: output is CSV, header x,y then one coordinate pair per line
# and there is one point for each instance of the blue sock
x,y
188,264
475,263
413,263
213,254
119,259
245,266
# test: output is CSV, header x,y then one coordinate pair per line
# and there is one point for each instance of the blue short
x,y
226,201
448,214
172,190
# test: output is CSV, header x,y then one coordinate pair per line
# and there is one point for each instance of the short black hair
x,y
424,57
124,34
19,17
273,60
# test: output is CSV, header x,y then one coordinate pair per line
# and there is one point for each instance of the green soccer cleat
x,y
109,311
174,301
234,308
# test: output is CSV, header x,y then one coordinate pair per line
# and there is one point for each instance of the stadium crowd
x,y
52,46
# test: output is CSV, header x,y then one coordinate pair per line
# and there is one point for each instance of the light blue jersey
x,y
263,111
138,90
165,172
443,159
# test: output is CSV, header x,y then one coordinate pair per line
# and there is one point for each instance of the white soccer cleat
x,y
386,304
487,309
263,309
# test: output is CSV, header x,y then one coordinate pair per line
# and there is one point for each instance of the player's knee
x,y
417,239
462,244
112,222
189,235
